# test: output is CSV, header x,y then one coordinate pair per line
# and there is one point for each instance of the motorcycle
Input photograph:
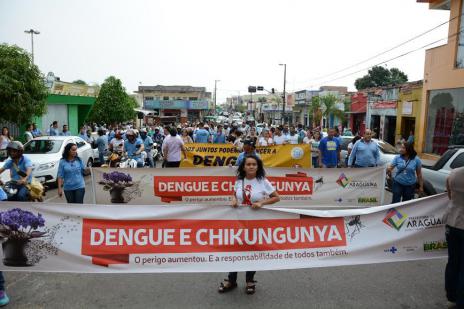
x,y
157,153
37,189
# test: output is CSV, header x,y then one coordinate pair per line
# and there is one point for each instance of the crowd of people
x,y
251,188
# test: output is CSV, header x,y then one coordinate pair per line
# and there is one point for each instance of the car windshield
x,y
387,148
42,146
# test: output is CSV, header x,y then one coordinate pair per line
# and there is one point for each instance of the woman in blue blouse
x,y
71,175
407,172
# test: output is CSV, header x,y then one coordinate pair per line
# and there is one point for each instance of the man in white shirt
x,y
279,138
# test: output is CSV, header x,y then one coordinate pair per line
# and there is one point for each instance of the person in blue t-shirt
x,y
201,135
71,175
20,168
148,144
219,137
407,172
134,147
329,150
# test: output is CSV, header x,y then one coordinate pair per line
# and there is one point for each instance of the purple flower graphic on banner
x,y
116,182
18,227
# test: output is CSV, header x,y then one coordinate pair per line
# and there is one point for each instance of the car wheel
x,y
90,163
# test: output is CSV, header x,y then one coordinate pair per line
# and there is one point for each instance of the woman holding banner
x,y
254,190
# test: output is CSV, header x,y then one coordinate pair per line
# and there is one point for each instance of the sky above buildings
x,y
240,43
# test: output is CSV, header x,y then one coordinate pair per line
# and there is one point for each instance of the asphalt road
x,y
418,284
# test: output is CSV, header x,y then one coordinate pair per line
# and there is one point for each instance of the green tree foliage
x,y
22,88
113,104
80,82
324,107
379,76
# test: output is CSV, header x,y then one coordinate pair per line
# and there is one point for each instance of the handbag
x,y
35,187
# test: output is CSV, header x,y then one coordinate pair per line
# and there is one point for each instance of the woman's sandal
x,y
251,288
226,286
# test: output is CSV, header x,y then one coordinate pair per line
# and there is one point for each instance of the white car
x,y
45,153
387,151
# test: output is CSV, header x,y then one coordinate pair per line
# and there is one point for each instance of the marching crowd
x,y
251,188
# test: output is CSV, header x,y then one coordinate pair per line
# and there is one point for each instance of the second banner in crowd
x,y
312,188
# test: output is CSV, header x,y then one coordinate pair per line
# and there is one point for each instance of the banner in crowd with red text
x,y
211,155
319,187
151,239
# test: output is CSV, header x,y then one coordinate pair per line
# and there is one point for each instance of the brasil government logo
x,y
395,219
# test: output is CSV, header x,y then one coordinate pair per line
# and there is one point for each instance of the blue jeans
x,y
454,273
101,157
22,195
150,159
2,282
75,196
402,191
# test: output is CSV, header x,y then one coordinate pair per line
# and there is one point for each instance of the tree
x,y
22,88
330,106
80,82
113,104
315,109
379,76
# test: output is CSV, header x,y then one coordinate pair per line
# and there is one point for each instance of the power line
x,y
388,50
394,58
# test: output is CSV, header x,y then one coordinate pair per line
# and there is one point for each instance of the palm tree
x,y
324,107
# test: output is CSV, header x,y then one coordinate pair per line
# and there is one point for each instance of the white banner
x,y
308,188
150,239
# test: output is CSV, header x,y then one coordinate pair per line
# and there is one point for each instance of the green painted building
x,y
66,109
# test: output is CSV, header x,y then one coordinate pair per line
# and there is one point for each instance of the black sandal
x,y
251,289
226,288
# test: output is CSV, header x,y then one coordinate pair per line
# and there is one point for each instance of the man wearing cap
x,y
134,147
20,168
148,144
249,148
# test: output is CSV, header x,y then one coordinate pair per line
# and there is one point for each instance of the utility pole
x,y
32,32
215,90
284,97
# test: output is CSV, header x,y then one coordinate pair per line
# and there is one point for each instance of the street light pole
x,y
32,32
284,95
215,90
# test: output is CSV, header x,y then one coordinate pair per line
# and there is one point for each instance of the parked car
x,y
435,175
387,151
5,176
45,153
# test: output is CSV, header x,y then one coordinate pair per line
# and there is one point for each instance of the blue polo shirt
x,y
23,164
366,154
406,176
54,132
72,174
131,148
219,138
148,143
201,136
329,148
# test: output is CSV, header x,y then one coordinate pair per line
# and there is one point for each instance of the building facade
x,y
173,104
408,112
381,112
443,90
357,122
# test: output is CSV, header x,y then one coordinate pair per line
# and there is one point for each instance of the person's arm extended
x,y
60,186
184,151
273,198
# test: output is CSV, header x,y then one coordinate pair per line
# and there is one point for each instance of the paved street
x,y
396,285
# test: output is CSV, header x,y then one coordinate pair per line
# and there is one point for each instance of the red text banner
x,y
201,238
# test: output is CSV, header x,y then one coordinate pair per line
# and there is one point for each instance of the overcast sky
x,y
240,42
